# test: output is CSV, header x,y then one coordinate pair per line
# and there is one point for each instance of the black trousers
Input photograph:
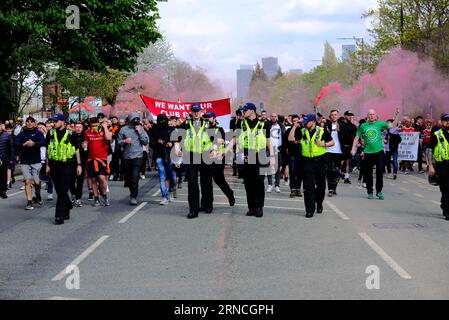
x,y
3,176
442,170
333,170
117,167
219,179
63,175
143,167
205,172
76,188
254,186
132,175
371,160
314,180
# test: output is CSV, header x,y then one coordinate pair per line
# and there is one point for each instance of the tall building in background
x,y
271,66
244,76
347,49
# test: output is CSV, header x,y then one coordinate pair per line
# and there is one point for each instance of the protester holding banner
x,y
438,152
371,133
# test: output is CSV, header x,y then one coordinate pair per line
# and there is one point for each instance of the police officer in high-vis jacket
x,y
438,159
63,164
254,152
314,141
197,146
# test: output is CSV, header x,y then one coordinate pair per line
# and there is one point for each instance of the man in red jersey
x,y
97,139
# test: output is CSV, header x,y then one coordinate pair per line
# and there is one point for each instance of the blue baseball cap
x,y
249,106
308,118
445,117
196,108
211,115
58,117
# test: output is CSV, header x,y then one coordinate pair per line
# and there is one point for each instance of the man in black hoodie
x,y
6,157
29,143
162,145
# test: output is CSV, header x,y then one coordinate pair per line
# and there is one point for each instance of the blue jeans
x,y
295,173
163,169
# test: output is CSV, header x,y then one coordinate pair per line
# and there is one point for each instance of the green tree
x,y
420,26
259,74
112,33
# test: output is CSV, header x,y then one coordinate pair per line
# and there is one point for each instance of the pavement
x,y
357,249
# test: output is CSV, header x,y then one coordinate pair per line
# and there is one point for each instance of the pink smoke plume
x,y
402,80
185,84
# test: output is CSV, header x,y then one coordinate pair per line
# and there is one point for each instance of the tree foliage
x,y
421,26
111,34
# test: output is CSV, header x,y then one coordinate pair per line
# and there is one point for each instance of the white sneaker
x,y
164,202
171,197
278,190
287,183
269,189
142,177
50,197
22,188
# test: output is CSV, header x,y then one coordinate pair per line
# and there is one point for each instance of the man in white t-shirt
x,y
334,154
277,131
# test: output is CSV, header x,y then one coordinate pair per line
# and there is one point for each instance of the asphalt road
x,y
154,252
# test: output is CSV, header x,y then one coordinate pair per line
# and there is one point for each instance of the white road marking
x,y
129,216
388,259
436,202
15,194
245,205
405,190
336,210
81,257
392,184
419,195
156,193
62,298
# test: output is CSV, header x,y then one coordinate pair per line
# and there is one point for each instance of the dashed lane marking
x,y
387,258
136,210
336,210
81,257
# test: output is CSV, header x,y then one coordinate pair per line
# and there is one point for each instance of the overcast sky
x,y
220,35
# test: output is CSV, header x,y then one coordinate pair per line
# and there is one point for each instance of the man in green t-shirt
x,y
371,135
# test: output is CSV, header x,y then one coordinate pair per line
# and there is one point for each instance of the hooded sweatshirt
x,y
30,155
133,150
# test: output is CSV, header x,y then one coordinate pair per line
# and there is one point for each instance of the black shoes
x,y
259,213
192,215
209,210
251,213
232,201
309,215
319,209
3,195
59,221
347,181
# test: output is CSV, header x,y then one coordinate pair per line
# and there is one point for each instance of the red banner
x,y
182,109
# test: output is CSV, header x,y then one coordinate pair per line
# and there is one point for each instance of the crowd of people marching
x,y
304,153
